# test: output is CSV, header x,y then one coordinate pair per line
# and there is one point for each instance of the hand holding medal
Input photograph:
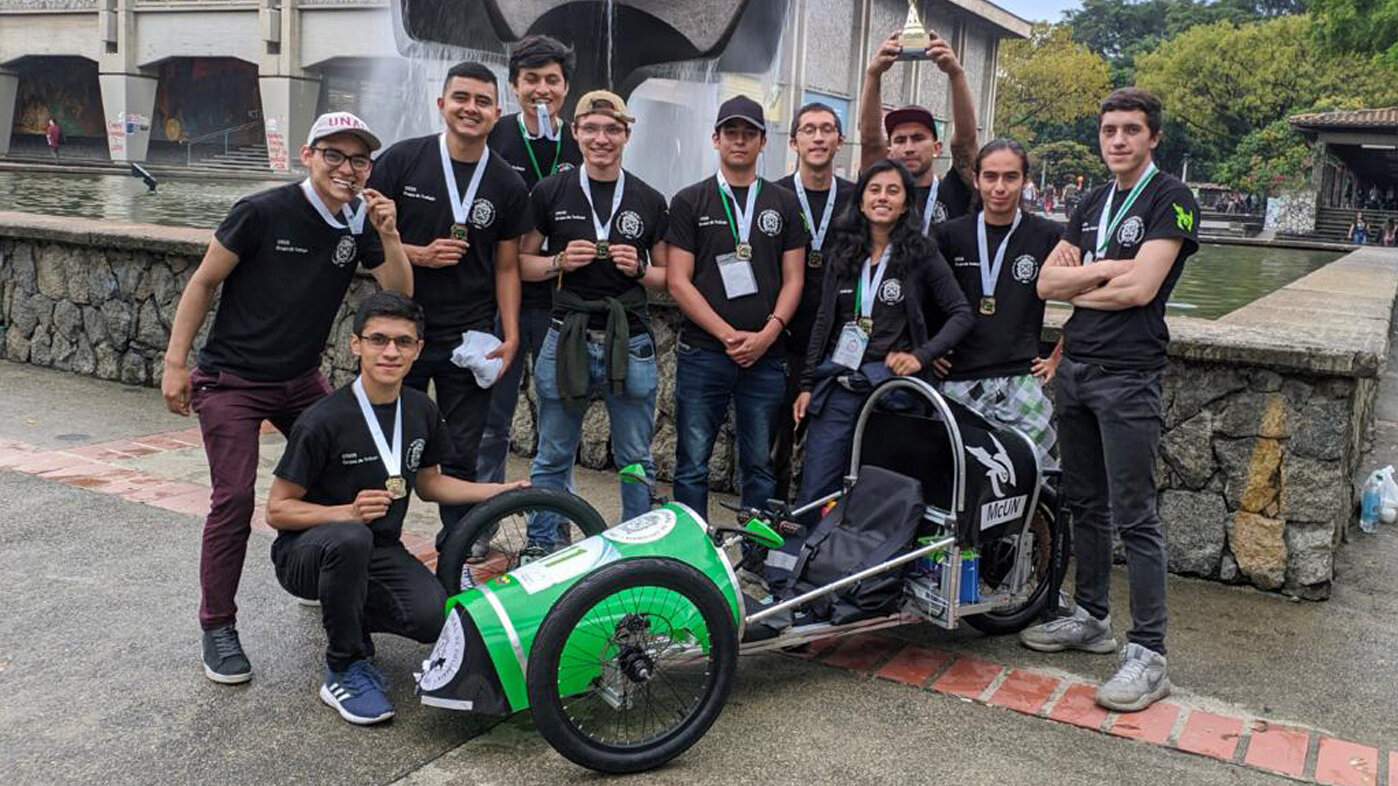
x,y
370,504
383,213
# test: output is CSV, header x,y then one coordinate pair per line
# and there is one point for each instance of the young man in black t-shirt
x,y
339,498
462,235
606,229
817,136
283,260
996,254
912,133
537,143
737,262
1124,249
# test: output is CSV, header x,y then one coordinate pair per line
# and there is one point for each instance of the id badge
x,y
849,351
738,278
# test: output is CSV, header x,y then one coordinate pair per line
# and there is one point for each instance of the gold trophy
x,y
914,38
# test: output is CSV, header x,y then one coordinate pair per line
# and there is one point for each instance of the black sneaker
x,y
224,661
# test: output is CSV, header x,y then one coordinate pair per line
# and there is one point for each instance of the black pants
x,y
789,432
464,406
362,587
1108,431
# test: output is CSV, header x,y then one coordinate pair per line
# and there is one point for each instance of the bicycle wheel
x,y
632,665
489,539
997,562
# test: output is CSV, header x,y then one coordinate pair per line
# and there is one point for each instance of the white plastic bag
x,y
471,354
1388,495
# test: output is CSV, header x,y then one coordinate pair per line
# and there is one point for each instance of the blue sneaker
x,y
357,693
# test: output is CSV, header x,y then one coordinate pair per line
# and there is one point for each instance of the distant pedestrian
x,y
1359,231
54,134
1390,232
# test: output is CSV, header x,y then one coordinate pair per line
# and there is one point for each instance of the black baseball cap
x,y
910,114
744,109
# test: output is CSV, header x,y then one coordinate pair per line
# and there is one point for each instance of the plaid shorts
x,y
1017,402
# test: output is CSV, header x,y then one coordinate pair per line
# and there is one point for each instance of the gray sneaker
x,y
1138,683
1081,631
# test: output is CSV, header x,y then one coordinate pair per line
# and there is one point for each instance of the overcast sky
x,y
1037,10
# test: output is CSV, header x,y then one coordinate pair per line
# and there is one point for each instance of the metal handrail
x,y
225,133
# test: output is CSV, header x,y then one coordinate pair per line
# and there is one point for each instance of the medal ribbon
x,y
1106,224
817,235
603,228
461,208
544,123
990,271
742,228
391,455
868,285
354,219
927,208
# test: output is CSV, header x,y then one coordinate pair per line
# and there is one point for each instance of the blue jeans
x,y
631,416
495,442
705,382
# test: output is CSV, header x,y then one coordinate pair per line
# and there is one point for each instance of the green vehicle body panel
x,y
508,609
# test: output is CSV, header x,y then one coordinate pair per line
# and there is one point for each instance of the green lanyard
x,y
1107,223
529,148
732,223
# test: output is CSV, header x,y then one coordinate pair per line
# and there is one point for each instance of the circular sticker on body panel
x,y
645,528
445,660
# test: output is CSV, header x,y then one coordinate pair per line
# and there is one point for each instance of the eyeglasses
x,y
380,341
811,129
335,158
613,130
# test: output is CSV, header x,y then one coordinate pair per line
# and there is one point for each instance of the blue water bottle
x,y
1369,500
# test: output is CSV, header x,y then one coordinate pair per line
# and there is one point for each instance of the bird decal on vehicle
x,y
998,468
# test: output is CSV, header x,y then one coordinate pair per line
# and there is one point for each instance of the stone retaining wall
x,y
1265,409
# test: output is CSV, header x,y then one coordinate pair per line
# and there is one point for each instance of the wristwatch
x,y
641,266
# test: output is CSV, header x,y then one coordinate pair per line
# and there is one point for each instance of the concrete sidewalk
x,y
98,659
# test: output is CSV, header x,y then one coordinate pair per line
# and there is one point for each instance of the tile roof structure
x,y
1386,118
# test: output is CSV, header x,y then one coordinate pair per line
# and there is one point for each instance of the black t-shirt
x,y
804,320
1003,344
507,140
561,215
277,306
331,454
699,225
890,315
462,296
1132,337
953,198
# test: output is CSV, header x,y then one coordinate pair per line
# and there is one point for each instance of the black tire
x,y
1017,618
501,521
566,721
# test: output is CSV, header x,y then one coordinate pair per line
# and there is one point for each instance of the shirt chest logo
x,y
482,213
1025,268
630,225
344,251
770,222
939,212
891,292
1131,231
414,458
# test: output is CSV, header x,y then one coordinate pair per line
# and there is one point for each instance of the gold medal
x,y
866,324
815,258
743,251
458,231
987,306
397,485
604,249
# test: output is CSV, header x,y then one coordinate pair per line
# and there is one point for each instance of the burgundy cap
x,y
909,114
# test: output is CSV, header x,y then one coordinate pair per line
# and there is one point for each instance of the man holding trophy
x,y
911,131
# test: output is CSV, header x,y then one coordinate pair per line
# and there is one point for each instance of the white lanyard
x,y
817,235
927,208
546,129
354,220
461,208
392,455
869,283
990,271
603,228
1106,223
743,215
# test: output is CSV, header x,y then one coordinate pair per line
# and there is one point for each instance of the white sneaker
x,y
1138,683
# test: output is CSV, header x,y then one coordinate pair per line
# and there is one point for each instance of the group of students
x,y
797,297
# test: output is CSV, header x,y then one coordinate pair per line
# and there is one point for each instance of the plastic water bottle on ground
x,y
1370,501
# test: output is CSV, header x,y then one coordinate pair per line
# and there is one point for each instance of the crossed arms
x,y
1108,284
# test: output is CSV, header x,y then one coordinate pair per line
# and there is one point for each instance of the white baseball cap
x,y
342,123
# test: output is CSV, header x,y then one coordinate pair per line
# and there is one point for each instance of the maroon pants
x,y
231,410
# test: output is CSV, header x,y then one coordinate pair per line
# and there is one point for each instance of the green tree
x,y
1065,160
1269,160
1045,80
1366,27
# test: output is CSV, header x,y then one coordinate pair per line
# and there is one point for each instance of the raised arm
x,y
873,145
964,141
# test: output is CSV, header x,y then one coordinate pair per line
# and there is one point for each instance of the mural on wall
x,y
198,96
64,88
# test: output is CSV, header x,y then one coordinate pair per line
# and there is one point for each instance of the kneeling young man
x,y
339,498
